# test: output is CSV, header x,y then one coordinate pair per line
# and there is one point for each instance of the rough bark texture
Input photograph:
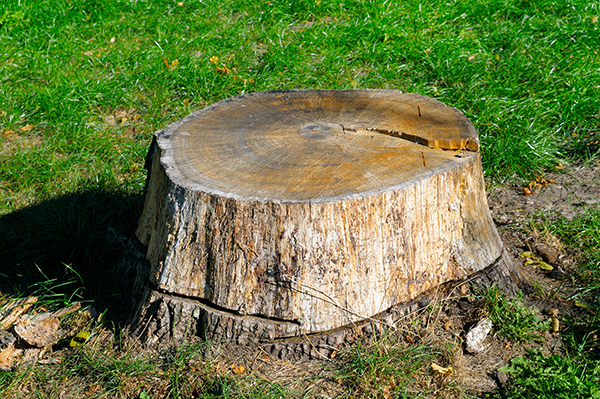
x,y
281,214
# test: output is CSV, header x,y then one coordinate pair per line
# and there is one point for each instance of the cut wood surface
x,y
284,213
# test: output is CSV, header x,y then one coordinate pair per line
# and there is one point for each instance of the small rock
x,y
502,219
477,335
548,254
40,330
502,378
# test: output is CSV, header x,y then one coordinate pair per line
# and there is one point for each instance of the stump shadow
x,y
69,247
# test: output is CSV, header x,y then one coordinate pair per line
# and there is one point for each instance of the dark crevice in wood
x,y
222,309
401,135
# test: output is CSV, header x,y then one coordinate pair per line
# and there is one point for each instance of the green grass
x,y
85,83
99,370
371,369
389,367
96,79
552,377
512,319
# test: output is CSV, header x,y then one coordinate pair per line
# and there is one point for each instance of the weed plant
x,y
551,377
512,319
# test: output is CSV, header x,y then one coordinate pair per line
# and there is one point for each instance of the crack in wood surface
x,y
468,144
222,309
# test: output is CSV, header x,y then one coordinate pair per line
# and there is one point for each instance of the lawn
x,y
84,84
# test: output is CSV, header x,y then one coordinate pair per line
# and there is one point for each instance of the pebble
x,y
548,254
477,335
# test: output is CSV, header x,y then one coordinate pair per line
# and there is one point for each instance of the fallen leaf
x,y
223,70
527,254
555,325
543,265
38,330
447,325
529,262
594,19
27,128
79,338
172,64
386,392
214,59
13,311
471,57
580,304
238,369
8,357
441,370
65,311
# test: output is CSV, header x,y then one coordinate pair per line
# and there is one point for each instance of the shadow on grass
x,y
69,246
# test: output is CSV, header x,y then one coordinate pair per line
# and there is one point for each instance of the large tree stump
x,y
277,214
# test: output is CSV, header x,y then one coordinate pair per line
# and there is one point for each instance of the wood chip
x,y
39,330
62,312
8,357
14,310
31,356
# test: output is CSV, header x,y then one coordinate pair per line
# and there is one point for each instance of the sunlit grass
x,y
85,83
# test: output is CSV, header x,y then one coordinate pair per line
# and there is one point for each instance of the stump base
x,y
164,319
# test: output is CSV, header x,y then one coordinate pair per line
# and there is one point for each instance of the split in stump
x,y
278,214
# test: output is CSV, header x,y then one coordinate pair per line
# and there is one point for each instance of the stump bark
x,y
277,214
